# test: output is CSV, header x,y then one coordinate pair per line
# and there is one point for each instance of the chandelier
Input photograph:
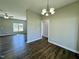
x,y
48,11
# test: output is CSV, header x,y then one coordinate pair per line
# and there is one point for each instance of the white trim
x,y
34,40
5,34
64,47
41,28
45,36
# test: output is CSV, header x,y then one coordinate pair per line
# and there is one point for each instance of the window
x,y
17,27
20,27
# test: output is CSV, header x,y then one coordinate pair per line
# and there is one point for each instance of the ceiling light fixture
x,y
48,11
5,15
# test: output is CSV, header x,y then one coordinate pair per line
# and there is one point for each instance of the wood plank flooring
x,y
15,47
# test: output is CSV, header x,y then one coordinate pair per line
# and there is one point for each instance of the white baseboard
x,y
45,36
64,47
5,34
34,40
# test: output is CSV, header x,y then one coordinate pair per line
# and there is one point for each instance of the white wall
x,y
64,27
6,26
33,26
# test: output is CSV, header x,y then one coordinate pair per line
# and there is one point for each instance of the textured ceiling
x,y
17,8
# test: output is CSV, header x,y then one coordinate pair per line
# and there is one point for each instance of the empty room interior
x,y
39,29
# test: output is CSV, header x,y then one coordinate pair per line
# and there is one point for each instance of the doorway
x,y
45,28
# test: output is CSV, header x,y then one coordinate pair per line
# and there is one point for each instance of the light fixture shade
x,y
46,14
52,12
44,11
51,9
6,17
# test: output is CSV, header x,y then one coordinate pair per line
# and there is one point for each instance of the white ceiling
x,y
17,8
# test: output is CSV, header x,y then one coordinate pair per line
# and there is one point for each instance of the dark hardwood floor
x,y
15,47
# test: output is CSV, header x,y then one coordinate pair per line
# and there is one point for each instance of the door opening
x,y
45,28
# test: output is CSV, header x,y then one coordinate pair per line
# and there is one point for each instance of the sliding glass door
x,y
18,27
